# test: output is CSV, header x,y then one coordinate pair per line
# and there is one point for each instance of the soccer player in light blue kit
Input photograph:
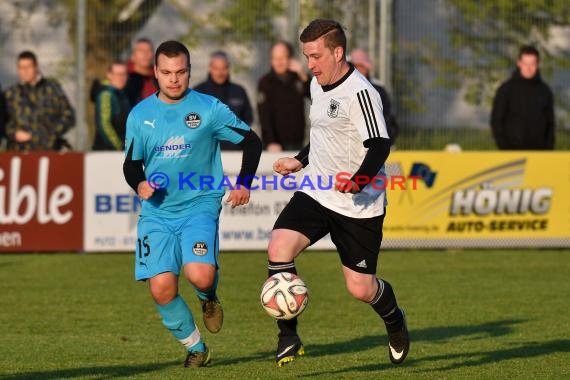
x,y
172,154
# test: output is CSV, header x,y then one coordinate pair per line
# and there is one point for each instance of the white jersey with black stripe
x,y
343,116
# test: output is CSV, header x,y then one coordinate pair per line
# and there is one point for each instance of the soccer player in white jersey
x,y
348,134
172,142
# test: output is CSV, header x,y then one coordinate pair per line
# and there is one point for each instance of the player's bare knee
x,y
361,291
358,292
285,245
200,275
163,295
273,250
278,251
202,283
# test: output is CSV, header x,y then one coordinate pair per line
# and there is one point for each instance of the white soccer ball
x,y
284,296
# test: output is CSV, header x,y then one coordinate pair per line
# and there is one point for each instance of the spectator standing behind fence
x,y
3,117
523,109
231,94
359,58
280,101
111,109
141,82
39,113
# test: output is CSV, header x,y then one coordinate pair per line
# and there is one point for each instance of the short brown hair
x,y
114,63
529,50
27,54
331,30
144,40
288,47
172,49
220,54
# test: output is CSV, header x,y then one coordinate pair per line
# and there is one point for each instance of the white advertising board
x,y
111,206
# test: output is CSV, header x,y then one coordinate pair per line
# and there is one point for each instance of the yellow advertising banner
x,y
478,199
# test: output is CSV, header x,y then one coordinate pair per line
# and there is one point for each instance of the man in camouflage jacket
x,y
39,113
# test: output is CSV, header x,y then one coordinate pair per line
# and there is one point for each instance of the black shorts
x,y
356,239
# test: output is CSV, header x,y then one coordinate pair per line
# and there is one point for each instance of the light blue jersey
x,y
179,146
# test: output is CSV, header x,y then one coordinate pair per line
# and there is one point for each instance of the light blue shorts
x,y
166,245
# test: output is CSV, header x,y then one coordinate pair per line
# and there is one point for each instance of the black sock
x,y
286,327
384,303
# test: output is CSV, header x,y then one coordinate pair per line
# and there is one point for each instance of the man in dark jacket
x,y
111,109
141,82
233,95
39,113
280,101
3,116
523,109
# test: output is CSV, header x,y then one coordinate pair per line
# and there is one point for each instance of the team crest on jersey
x,y
200,248
332,111
192,120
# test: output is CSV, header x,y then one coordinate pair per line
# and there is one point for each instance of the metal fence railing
x,y
441,60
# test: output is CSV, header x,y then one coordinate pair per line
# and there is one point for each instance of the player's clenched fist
x,y
144,190
346,186
287,165
238,197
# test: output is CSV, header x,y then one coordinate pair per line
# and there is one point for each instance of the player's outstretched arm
x,y
134,172
251,145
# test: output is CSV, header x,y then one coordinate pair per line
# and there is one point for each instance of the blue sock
x,y
177,318
210,293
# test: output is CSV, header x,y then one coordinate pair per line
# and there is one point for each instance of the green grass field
x,y
471,314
